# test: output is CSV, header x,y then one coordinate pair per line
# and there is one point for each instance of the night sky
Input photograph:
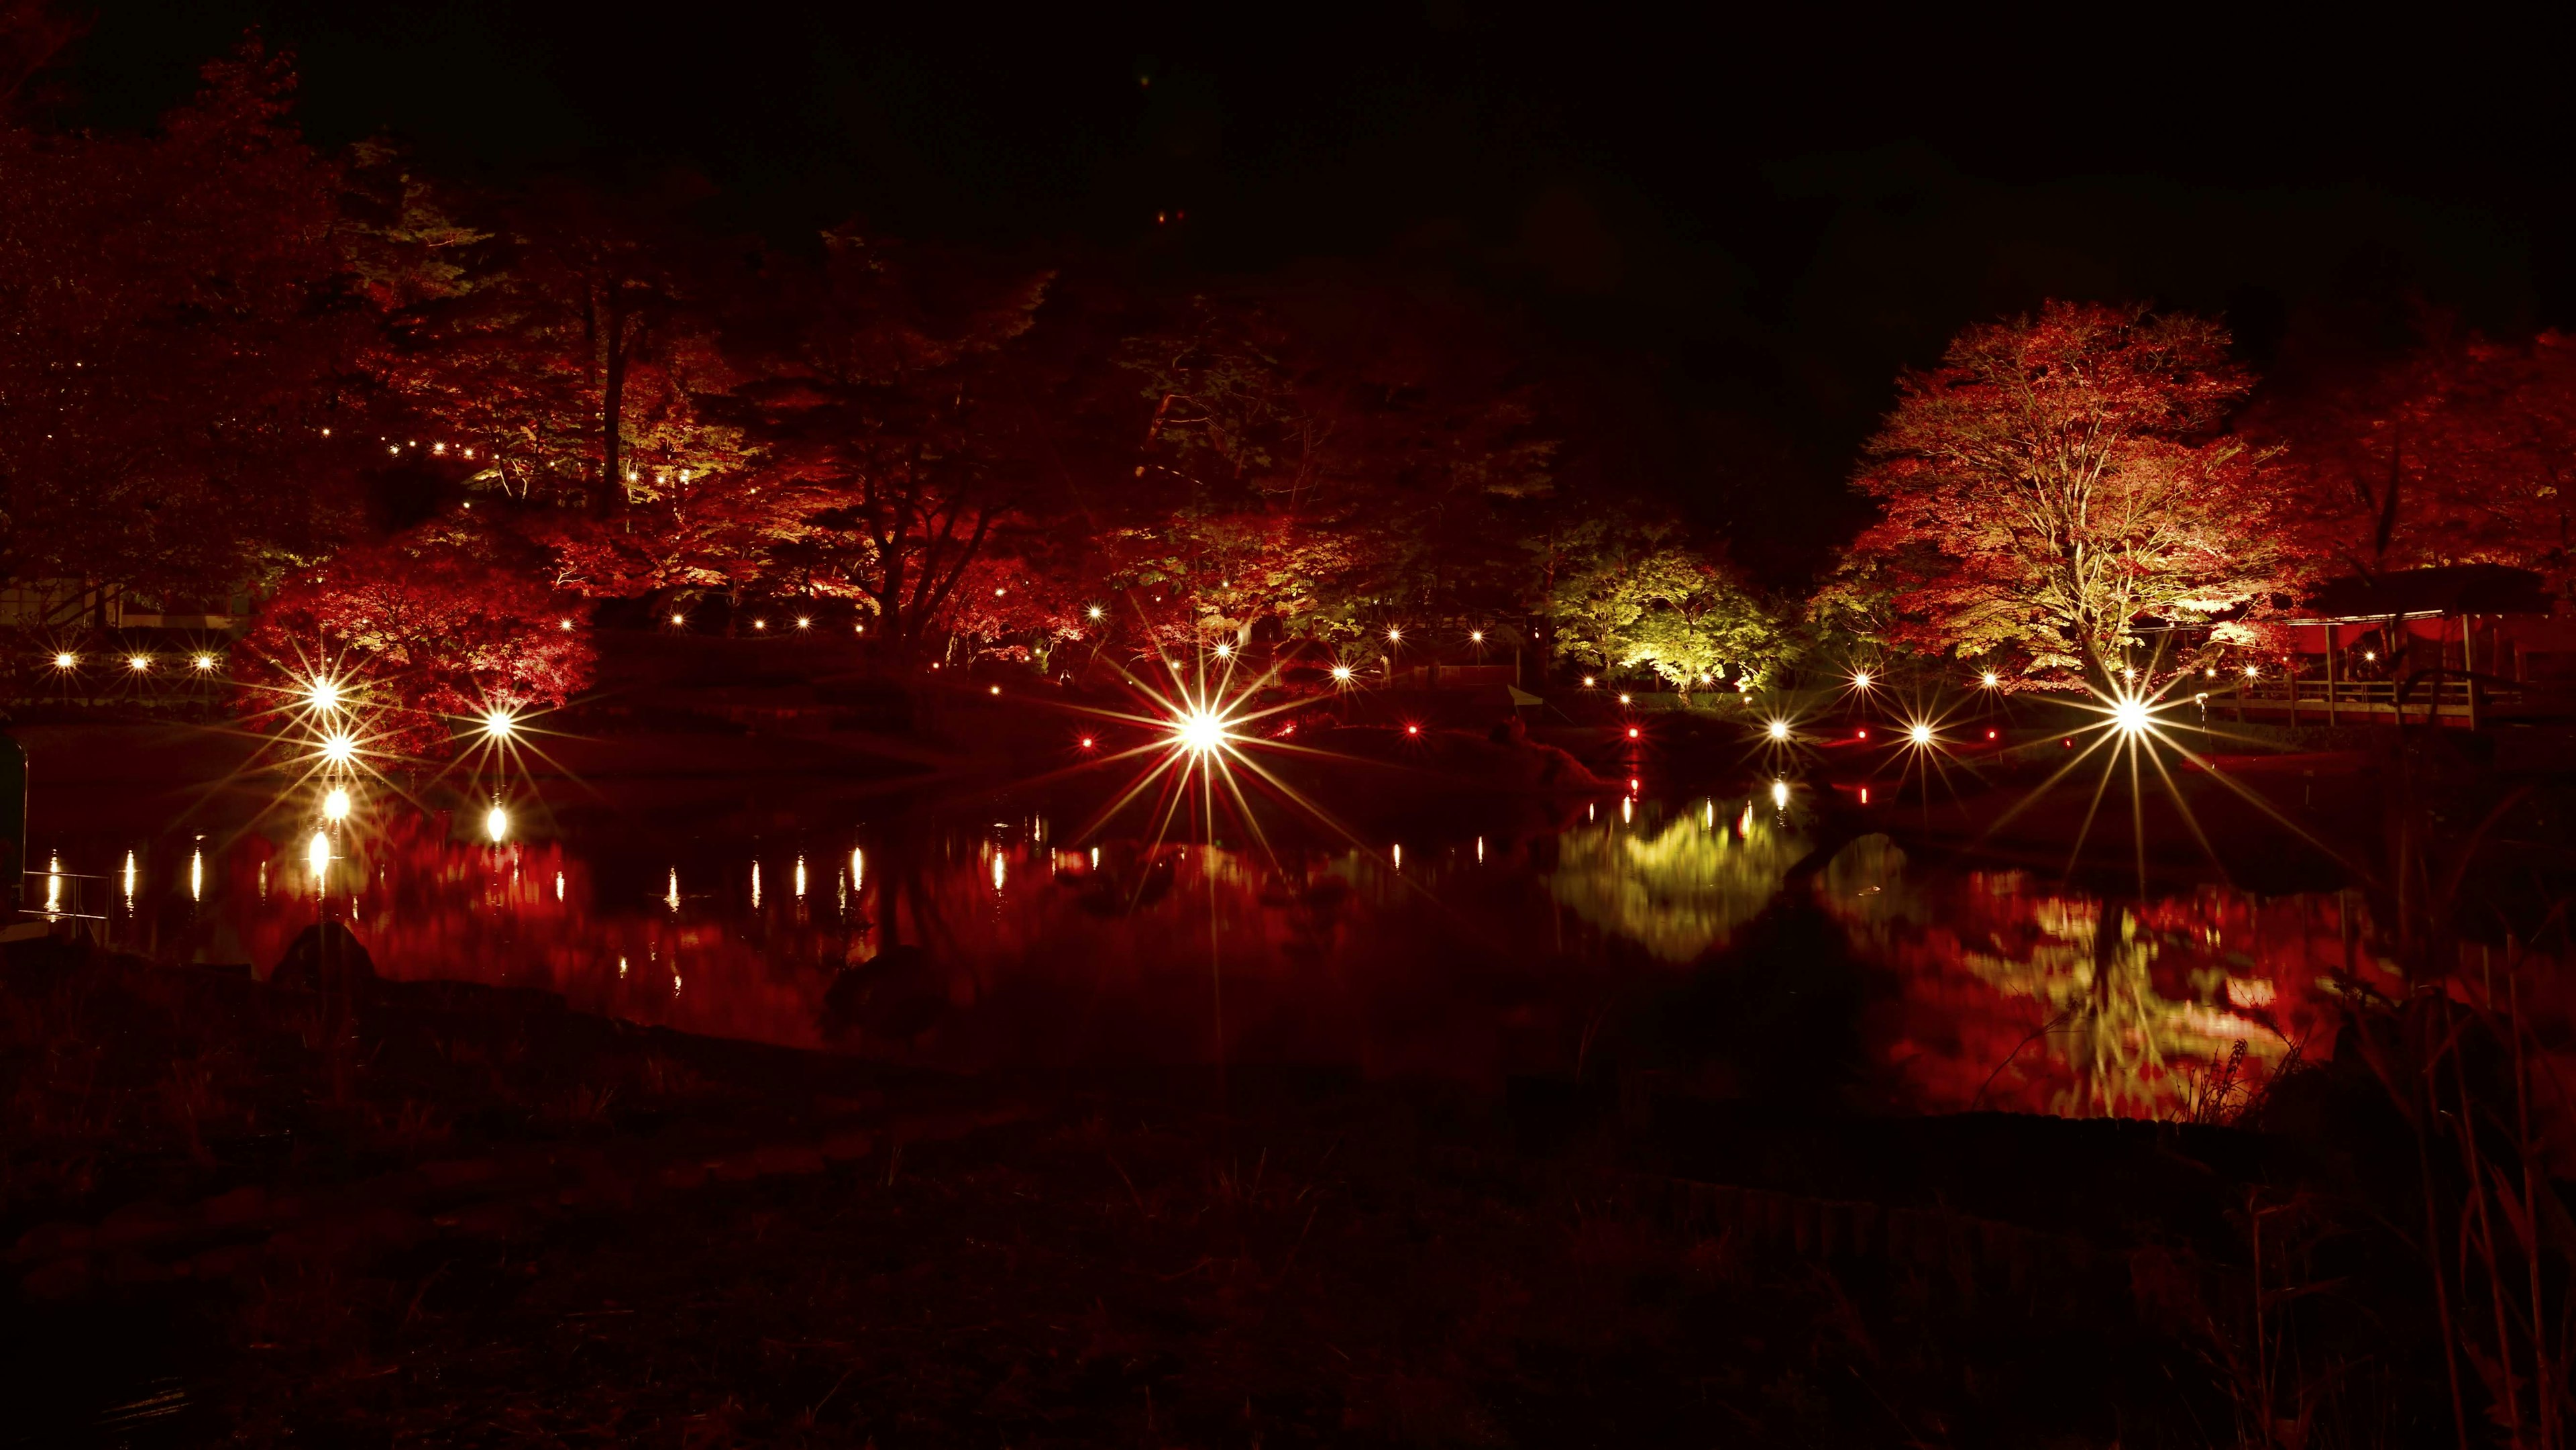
x,y
1739,224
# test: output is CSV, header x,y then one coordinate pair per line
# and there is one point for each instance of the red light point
x,y
1412,729
1632,732
1861,734
1086,742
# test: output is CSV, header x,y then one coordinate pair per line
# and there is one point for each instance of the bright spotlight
x,y
335,804
2253,671
66,660
1779,729
1225,651
1096,613
317,854
498,724
205,663
496,823
2129,715
138,663
339,747
1395,636
1587,682
1341,674
1991,679
323,695
677,620
1919,734
1199,731
804,621
1780,795
1860,679
1475,636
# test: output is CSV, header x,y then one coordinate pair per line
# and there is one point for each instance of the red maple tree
x,y
175,345
2057,480
431,631
2461,450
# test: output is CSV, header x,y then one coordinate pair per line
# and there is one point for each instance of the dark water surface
x,y
1679,934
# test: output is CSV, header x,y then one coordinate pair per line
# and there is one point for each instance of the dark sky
x,y
1754,218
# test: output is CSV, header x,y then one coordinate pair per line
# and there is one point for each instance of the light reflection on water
x,y
965,945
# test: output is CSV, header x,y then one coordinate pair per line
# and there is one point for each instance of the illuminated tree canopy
x,y
2058,479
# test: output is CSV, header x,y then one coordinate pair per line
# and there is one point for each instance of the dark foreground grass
x,y
448,1215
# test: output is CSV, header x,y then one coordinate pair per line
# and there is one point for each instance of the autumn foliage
x,y
172,339
2459,450
235,365
438,628
2060,480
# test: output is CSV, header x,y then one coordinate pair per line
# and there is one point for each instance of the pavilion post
x,y
2469,662
2330,675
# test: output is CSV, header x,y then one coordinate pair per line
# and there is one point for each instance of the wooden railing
x,y
2444,700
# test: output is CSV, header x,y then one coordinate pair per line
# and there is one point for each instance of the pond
x,y
1682,934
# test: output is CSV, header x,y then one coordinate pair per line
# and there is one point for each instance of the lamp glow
x,y
1096,613
1780,795
1860,679
1395,636
335,804
66,660
205,663
1779,729
2129,716
1990,679
1342,674
339,747
498,724
138,663
804,622
317,854
496,823
1475,636
1919,734
1225,651
1199,732
323,695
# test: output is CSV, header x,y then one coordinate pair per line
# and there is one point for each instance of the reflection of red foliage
x,y
2007,1001
1057,963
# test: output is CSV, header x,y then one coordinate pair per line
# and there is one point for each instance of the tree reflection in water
x,y
2006,993
1680,889
1945,989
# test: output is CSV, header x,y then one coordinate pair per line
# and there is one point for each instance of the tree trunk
x,y
611,494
